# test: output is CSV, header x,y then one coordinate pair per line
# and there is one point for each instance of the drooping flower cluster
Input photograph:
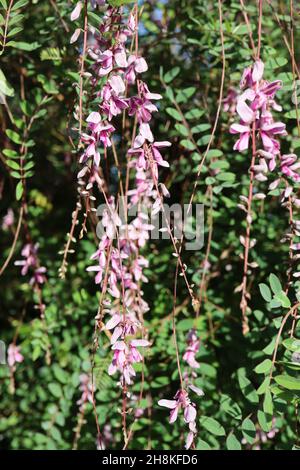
x,y
254,107
8,220
31,264
193,344
14,355
119,264
289,166
86,388
291,202
229,102
125,355
189,356
121,69
182,402
125,266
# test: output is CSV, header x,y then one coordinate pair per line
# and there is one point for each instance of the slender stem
x,y
85,35
174,326
63,267
284,320
65,26
294,65
259,28
244,301
177,252
6,25
248,26
285,39
12,249
207,252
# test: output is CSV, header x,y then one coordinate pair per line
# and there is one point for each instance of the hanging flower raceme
x,y
183,403
229,102
86,388
30,264
8,220
289,200
118,251
193,344
124,357
254,107
289,166
14,355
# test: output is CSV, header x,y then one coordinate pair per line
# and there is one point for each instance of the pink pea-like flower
x,y
254,110
135,65
76,12
86,388
8,220
182,402
193,345
289,166
30,263
120,263
14,355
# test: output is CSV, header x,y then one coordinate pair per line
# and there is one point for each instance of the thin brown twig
x,y
244,301
82,63
70,239
260,7
12,249
65,26
244,286
284,320
207,252
285,39
245,14
216,121
10,5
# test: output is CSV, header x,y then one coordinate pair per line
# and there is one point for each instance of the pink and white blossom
x,y
31,264
8,219
14,355
254,107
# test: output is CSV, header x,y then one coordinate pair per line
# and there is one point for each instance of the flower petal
x,y
244,111
76,12
117,84
197,390
190,414
168,403
94,117
258,70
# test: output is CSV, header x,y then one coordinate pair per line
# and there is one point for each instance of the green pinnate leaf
x,y
232,443
171,74
265,292
248,430
19,190
275,284
288,382
212,425
263,367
